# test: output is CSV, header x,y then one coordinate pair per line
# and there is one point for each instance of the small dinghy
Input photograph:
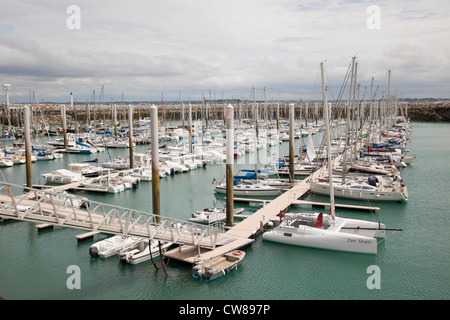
x,y
140,252
212,215
217,267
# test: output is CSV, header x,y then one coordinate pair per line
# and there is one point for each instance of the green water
x,y
413,264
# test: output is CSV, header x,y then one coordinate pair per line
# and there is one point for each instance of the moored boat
x,y
315,230
111,246
142,251
217,267
212,215
62,176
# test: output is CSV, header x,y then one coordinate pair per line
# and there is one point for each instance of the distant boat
x,y
104,184
87,170
369,188
62,176
249,188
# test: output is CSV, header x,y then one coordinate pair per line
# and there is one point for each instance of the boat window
x,y
287,234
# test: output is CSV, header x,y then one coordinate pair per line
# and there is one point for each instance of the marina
x,y
222,159
256,245
370,168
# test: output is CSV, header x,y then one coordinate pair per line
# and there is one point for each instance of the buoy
x,y
237,252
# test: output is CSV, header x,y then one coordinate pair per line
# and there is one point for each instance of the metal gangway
x,y
66,210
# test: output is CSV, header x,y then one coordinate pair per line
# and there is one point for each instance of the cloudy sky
x,y
220,48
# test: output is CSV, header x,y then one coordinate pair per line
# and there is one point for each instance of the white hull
x,y
103,184
249,190
6,162
212,215
335,238
62,176
323,188
141,251
111,246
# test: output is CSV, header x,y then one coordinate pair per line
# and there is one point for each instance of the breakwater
x,y
49,114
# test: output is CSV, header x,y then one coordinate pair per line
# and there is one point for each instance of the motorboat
x,y
5,161
144,174
118,163
62,176
212,215
212,269
111,246
104,184
127,179
142,251
87,169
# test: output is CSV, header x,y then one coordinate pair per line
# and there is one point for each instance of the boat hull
x,y
323,240
359,194
346,235
250,192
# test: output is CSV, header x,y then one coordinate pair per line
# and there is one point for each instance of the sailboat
x,y
316,230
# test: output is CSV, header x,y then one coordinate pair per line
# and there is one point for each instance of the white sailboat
x,y
250,188
327,232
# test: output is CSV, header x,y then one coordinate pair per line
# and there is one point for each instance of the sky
x,y
167,50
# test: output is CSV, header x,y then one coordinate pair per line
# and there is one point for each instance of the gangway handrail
x,y
66,210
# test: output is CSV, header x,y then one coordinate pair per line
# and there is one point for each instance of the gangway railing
x,y
72,211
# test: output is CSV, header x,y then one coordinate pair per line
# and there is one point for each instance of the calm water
x,y
413,263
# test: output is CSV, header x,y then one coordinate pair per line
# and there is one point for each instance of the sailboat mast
x,y
326,111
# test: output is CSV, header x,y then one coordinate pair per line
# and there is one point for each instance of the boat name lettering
x,y
360,241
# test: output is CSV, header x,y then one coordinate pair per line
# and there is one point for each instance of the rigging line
x,y
315,84
388,236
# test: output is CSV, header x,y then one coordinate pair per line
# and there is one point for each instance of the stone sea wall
x,y
438,111
50,114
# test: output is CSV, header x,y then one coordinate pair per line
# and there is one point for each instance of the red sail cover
x,y
319,221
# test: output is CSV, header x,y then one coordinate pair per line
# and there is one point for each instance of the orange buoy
x,y
237,252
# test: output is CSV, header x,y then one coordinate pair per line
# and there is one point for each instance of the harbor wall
x,y
50,114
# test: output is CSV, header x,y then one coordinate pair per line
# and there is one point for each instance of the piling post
x,y
291,143
26,123
229,117
155,161
130,134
